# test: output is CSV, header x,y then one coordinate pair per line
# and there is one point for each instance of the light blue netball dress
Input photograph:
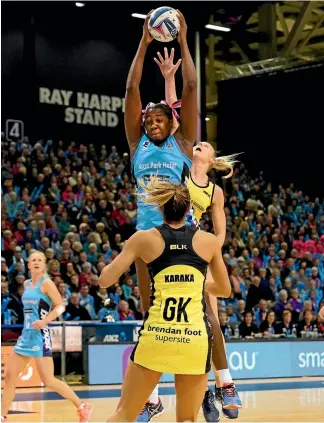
x,y
37,305
168,163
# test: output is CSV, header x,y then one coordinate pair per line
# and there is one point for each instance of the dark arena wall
x,y
276,119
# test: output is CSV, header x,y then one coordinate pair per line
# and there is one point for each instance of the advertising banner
x,y
255,360
29,377
73,338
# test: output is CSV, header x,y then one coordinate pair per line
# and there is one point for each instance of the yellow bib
x,y
201,197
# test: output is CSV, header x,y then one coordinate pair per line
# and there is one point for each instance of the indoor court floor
x,y
267,400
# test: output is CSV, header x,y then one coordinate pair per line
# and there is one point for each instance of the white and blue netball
x,y
164,24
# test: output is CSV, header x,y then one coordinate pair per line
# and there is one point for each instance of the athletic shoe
x,y
84,412
150,410
231,398
210,411
230,413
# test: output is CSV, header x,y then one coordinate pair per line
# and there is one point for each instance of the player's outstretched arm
x,y
168,70
133,104
189,108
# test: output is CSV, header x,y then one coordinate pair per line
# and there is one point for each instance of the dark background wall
x,y
59,46
277,121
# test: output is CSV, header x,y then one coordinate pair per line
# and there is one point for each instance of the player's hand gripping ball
x,y
164,24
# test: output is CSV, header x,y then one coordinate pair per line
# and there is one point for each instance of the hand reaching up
x,y
166,65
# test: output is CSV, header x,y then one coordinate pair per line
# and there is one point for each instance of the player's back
x,y
168,163
176,336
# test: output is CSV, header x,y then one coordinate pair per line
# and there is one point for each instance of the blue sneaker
x,y
231,398
210,411
150,411
220,394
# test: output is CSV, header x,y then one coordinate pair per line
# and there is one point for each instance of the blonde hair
x,y
39,253
224,163
172,199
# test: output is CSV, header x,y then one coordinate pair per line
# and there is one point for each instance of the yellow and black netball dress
x,y
176,336
201,198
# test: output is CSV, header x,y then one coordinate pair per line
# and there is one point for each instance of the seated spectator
x,y
240,309
87,301
93,253
70,271
74,311
15,305
247,328
297,304
63,292
124,312
53,268
127,288
267,327
74,287
117,295
314,297
134,302
223,322
231,314
257,292
236,282
263,277
100,296
320,324
86,274
308,323
287,286
285,328
109,309
260,313
281,304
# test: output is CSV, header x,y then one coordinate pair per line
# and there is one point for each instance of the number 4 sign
x,y
14,130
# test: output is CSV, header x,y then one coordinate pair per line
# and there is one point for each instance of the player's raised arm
x,y
188,117
168,70
133,104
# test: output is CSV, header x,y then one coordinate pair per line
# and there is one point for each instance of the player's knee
x,y
49,381
11,376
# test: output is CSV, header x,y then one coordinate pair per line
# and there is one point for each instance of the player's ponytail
x,y
225,163
172,199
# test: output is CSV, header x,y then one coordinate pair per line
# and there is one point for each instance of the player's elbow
x,y
227,290
190,85
60,308
132,86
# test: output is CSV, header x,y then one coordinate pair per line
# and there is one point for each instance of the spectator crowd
x,y
77,205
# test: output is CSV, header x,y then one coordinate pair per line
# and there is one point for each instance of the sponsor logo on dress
x,y
178,247
46,332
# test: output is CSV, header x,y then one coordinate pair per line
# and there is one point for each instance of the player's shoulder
x,y
218,194
209,239
47,283
143,235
